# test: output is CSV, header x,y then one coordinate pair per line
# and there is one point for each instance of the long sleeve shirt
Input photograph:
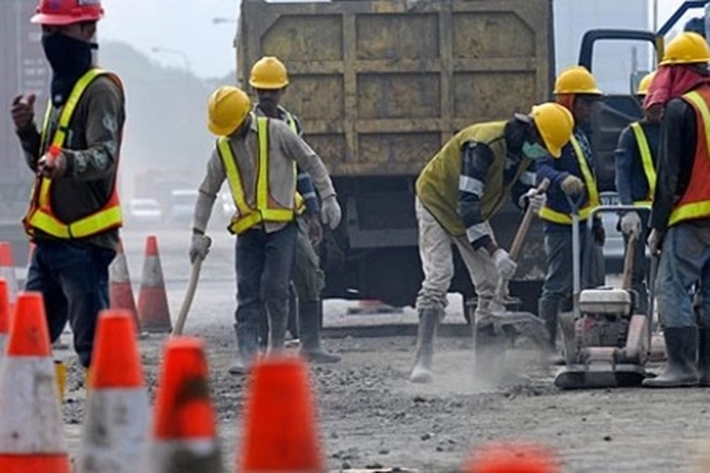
x,y
285,148
676,155
91,150
631,179
477,159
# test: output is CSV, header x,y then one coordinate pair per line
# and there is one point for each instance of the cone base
x,y
35,463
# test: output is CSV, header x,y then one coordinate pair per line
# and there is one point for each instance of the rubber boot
x,y
428,324
680,371
704,356
309,330
548,310
278,324
248,348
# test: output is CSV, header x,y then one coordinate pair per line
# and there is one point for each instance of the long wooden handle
x,y
629,262
189,296
525,224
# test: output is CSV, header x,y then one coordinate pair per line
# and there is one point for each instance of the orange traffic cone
x,y
153,311
116,426
280,432
120,290
31,429
7,269
184,430
513,458
4,315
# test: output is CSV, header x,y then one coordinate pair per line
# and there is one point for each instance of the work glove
x,y
315,230
630,223
22,111
572,185
655,242
331,213
536,200
52,167
504,264
199,247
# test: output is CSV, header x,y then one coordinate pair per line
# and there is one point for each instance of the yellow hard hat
x,y
645,84
554,124
268,73
228,108
576,80
686,48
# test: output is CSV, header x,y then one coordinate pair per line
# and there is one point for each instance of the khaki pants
x,y
438,264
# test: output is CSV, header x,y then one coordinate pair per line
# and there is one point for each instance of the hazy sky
x,y
186,26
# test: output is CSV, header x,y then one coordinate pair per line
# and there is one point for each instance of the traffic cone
x,y
184,435
513,458
153,311
31,429
280,432
4,316
115,429
7,269
120,290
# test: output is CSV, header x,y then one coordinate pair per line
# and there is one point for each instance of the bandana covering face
x,y
70,59
672,82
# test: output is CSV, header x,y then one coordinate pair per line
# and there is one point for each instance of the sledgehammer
x,y
189,296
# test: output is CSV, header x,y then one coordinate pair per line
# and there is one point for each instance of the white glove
x,y
504,264
199,247
572,185
631,223
331,213
536,200
655,242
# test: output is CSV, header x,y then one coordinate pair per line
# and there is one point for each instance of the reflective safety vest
x,y
554,216
40,215
265,209
695,202
647,160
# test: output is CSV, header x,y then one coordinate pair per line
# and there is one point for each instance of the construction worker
x,y
458,191
269,79
680,219
258,157
74,214
635,160
571,176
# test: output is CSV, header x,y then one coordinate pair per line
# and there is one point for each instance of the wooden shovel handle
x,y
525,224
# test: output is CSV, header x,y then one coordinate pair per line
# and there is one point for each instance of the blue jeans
x,y
558,279
264,263
685,261
73,280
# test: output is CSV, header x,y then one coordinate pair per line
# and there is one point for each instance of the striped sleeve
x,y
476,161
308,192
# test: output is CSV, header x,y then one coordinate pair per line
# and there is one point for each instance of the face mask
x,y
534,150
70,58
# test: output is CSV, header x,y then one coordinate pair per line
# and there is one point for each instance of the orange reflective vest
x,y
551,215
647,161
695,203
40,216
266,209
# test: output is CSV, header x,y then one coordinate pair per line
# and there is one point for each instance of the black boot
x,y
704,356
309,331
428,324
548,310
681,348
248,348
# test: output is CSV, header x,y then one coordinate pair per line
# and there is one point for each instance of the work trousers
x,y
438,264
264,262
308,278
685,262
73,280
558,283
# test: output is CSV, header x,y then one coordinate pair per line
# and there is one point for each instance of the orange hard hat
x,y
66,12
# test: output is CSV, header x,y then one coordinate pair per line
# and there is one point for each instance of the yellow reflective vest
x,y
40,215
647,160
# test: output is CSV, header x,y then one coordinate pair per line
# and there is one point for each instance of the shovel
x,y
189,295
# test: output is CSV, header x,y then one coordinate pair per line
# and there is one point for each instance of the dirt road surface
x,y
371,416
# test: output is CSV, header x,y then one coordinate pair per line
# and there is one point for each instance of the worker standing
x,y
680,219
74,214
635,161
571,176
258,157
458,191
269,79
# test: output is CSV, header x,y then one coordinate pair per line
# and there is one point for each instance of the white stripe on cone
x,y
115,431
30,421
3,341
8,274
177,456
152,272
118,269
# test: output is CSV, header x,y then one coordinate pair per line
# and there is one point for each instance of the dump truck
x,y
380,85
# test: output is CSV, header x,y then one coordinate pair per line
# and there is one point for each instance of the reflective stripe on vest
x,y
554,216
40,215
695,203
249,217
647,160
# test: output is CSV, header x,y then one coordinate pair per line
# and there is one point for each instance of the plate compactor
x,y
606,343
